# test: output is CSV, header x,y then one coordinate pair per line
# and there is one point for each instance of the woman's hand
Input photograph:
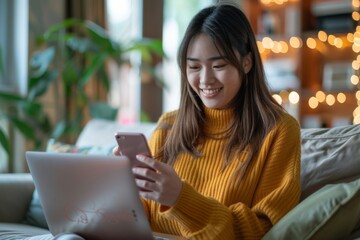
x,y
159,182
116,151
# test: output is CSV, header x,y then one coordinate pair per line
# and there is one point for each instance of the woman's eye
x,y
219,66
193,67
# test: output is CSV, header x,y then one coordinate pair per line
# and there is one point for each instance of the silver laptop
x,y
93,196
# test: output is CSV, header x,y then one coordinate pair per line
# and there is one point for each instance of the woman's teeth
x,y
211,91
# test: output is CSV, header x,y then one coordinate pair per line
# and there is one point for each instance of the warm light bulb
x,y
260,47
341,97
338,43
357,95
330,99
355,65
356,111
331,39
295,42
311,43
350,37
320,96
354,79
277,98
284,95
294,97
357,38
356,48
356,119
313,103
355,3
322,36
284,47
355,16
276,48
267,42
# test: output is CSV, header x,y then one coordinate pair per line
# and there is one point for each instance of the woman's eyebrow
x,y
209,59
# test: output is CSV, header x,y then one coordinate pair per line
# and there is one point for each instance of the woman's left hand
x,y
164,185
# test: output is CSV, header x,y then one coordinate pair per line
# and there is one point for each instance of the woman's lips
x,y
210,92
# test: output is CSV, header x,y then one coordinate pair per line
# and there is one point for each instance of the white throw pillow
x,y
329,155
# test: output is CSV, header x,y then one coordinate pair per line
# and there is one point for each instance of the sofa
x,y
330,178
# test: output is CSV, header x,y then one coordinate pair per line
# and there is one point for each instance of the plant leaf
x,y
31,108
67,23
103,110
59,130
38,86
26,129
102,38
92,68
104,78
81,45
5,142
40,62
11,97
147,47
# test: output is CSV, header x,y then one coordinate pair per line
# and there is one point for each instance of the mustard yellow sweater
x,y
211,204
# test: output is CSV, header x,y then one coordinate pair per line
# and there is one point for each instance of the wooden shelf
x,y
311,64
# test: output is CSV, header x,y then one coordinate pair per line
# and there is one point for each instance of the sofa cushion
x,y
15,195
13,231
333,212
35,215
329,155
100,132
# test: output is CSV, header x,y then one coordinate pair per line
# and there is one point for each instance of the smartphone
x,y
132,144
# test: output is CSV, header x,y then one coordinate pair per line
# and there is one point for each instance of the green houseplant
x,y
71,54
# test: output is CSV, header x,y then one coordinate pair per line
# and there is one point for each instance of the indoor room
x,y
77,77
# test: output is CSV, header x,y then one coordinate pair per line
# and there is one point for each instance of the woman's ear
x,y
247,63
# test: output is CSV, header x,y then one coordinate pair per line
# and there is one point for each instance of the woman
x,y
227,163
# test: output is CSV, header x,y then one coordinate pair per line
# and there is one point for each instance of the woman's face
x,y
209,73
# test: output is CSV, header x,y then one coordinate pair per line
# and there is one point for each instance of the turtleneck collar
x,y
217,120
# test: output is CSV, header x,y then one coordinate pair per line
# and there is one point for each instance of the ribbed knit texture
x,y
213,204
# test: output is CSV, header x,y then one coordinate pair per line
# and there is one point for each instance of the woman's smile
x,y
210,92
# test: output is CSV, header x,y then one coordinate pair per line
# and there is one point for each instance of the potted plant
x,y
73,53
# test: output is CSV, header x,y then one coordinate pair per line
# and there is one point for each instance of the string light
x,y
330,99
320,96
277,98
341,97
294,97
313,102
320,43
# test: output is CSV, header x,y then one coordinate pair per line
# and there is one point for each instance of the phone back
x,y
132,144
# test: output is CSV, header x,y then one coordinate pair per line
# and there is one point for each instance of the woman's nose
x,y
207,76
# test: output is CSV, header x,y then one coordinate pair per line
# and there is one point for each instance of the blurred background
x,y
64,62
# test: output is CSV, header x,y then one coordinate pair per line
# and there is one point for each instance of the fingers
x,y
157,181
156,165
116,151
146,173
147,186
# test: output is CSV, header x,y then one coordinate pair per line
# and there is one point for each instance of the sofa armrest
x,y
16,193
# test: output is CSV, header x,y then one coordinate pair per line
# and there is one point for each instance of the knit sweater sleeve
x,y
277,192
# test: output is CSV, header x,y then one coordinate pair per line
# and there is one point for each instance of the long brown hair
x,y
255,111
